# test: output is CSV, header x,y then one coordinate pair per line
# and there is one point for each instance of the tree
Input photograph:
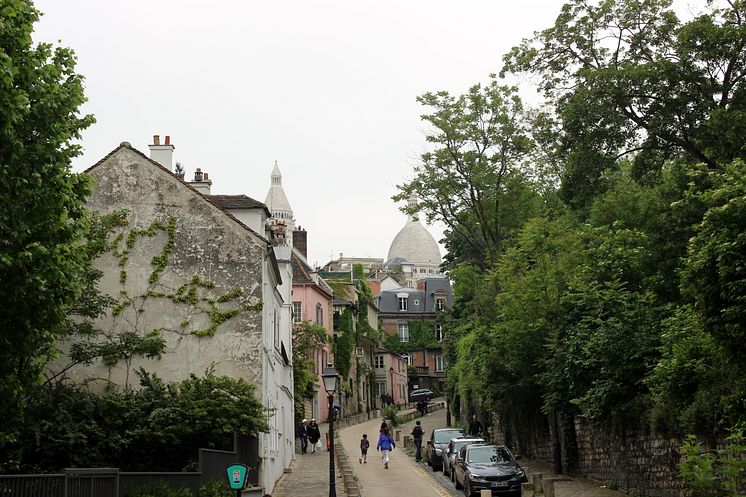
x,y
42,213
307,337
475,177
627,77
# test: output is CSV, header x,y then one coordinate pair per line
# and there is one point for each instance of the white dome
x,y
415,244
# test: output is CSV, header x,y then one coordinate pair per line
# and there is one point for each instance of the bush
x,y
717,473
161,489
390,413
215,488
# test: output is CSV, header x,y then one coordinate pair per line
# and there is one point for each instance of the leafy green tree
x,y
42,214
474,178
627,77
307,338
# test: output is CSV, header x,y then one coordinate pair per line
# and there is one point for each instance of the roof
x,y
237,202
126,145
415,244
388,301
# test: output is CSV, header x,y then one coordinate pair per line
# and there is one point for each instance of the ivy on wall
x,y
421,336
344,343
204,309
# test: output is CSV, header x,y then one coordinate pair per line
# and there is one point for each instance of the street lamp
x,y
391,370
331,378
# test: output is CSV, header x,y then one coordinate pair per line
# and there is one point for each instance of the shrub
x,y
390,413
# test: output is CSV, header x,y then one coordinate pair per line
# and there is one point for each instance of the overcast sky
x,y
325,88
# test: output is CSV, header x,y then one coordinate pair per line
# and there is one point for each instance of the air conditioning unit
x,y
358,352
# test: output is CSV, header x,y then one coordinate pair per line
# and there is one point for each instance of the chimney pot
x,y
205,176
198,174
157,140
163,154
168,140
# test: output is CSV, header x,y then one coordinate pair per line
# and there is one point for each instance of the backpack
x,y
417,432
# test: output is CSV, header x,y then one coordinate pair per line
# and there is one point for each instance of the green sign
x,y
237,474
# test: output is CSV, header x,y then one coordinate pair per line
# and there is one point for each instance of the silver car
x,y
450,453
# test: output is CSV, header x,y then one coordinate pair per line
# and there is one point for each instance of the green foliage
x,y
390,413
421,336
215,488
42,216
160,489
67,426
308,338
344,344
721,473
476,171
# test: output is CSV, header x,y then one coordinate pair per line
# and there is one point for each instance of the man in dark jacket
x,y
417,433
475,427
303,433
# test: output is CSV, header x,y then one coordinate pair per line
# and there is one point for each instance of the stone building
x,y
201,273
411,321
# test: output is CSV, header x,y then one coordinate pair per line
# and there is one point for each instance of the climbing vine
x,y
344,344
421,336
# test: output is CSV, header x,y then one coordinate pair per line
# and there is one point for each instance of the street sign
x,y
237,474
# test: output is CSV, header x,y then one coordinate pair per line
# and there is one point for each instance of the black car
x,y
454,446
421,394
488,466
437,444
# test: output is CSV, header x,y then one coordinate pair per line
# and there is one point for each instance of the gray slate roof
x,y
388,302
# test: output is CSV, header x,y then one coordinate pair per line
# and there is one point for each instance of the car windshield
x,y
443,437
489,454
457,445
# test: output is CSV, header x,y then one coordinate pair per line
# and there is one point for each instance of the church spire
x,y
279,207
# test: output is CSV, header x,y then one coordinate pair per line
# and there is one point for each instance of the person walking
x,y
364,445
417,433
303,433
475,427
386,445
313,434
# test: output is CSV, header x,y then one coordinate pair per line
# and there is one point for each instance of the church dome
x,y
415,244
276,201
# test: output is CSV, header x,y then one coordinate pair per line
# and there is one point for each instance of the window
x,y
439,363
378,361
276,326
407,357
402,303
404,332
319,315
416,302
438,332
297,316
440,304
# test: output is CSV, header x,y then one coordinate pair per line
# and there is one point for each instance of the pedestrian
x,y
417,433
383,401
364,444
384,427
313,434
386,445
475,427
303,432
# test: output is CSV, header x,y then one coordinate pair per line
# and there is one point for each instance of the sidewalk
x,y
309,476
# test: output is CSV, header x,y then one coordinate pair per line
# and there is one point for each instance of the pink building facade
x,y
312,302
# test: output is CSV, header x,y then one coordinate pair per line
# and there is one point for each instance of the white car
x,y
449,454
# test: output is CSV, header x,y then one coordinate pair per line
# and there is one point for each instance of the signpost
x,y
237,474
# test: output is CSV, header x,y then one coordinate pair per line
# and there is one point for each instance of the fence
x,y
110,482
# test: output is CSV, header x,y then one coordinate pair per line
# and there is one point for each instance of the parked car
x,y
420,394
488,466
452,450
438,442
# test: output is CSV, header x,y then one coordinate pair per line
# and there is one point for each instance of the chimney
x,y
300,241
162,154
201,182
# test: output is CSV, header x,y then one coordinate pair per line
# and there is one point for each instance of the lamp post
x,y
331,377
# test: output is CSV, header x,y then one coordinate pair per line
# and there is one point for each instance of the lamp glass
x,y
330,377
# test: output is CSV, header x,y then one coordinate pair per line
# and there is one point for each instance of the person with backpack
x,y
386,445
417,433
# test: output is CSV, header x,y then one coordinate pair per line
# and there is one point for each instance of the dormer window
x,y
402,303
440,304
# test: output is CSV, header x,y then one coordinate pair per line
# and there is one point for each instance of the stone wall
x,y
638,461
